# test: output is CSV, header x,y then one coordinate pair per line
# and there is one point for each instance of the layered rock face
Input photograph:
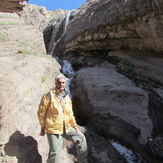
x,y
113,25
12,5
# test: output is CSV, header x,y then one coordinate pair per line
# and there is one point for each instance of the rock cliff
x,y
12,5
125,29
115,24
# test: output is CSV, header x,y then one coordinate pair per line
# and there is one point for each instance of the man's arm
x,y
42,132
72,118
42,113
76,128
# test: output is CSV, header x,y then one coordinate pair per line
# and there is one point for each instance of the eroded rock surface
x,y
12,5
107,102
26,74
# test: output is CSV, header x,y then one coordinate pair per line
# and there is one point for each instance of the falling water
x,y
68,72
66,24
64,31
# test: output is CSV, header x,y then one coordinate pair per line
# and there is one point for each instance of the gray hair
x,y
58,77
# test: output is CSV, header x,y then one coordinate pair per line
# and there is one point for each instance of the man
x,y
57,121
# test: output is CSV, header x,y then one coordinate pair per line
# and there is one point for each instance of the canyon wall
x,y
115,46
114,99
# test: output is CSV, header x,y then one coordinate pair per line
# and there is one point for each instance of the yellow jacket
x,y
50,113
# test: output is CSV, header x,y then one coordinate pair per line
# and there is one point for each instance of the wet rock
x,y
53,31
155,147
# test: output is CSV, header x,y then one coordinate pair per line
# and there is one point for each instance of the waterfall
x,y
68,72
64,31
66,24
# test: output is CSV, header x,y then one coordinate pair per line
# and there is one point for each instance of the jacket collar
x,y
57,91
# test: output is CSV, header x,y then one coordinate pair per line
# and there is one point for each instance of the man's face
x,y
61,84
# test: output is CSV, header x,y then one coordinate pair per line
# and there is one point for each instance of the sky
x,y
52,5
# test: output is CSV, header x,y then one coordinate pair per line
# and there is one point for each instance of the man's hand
x,y
42,133
76,128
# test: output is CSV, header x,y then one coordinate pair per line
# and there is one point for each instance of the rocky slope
x,y
26,74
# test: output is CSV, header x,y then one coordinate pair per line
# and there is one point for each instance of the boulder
x,y
108,93
113,106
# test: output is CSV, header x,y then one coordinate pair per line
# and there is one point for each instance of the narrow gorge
x,y
115,48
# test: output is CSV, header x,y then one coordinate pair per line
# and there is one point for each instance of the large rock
x,y
110,93
110,104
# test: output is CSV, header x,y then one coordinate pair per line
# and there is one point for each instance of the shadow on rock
x,y
24,148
